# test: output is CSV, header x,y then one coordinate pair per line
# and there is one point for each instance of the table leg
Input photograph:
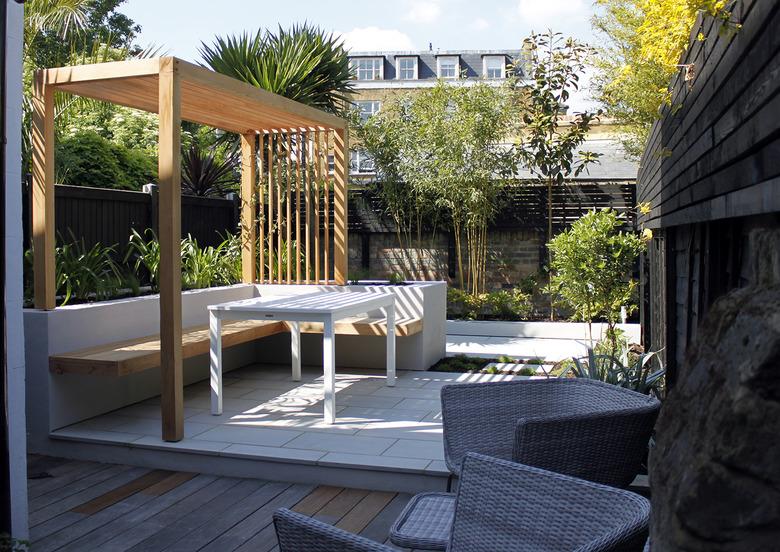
x,y
295,350
329,371
215,353
391,345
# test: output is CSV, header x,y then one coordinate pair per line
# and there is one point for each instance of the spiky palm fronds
x,y
304,63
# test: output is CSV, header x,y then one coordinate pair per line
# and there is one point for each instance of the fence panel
x,y
107,216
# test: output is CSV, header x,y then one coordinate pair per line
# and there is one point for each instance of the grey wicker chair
x,y
578,427
502,506
299,533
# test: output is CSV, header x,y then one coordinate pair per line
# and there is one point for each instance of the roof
x,y
206,97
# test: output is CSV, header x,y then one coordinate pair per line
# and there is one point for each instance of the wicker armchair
x,y
578,427
299,533
502,506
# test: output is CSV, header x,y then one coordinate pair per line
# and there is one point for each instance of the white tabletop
x,y
325,302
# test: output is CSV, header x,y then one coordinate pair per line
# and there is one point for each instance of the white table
x,y
326,307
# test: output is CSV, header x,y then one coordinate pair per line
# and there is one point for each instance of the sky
x,y
179,26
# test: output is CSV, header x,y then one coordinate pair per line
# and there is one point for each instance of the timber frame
x,y
285,150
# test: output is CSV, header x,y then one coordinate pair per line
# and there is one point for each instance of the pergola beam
x,y
43,193
169,155
248,209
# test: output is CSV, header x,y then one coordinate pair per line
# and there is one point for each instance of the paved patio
x,y
268,416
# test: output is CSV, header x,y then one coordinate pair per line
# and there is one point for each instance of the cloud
x,y
479,24
544,13
372,39
423,11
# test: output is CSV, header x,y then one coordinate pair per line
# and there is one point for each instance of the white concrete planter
x,y
55,401
539,330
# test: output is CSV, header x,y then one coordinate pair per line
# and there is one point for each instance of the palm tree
x,y
305,64
204,174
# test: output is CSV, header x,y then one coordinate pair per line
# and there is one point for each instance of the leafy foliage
x,y
145,254
592,265
205,174
442,152
502,304
304,63
644,41
86,273
88,159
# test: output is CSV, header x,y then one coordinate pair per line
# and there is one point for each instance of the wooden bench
x,y
137,355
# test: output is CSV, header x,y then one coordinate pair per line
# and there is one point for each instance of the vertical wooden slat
x,y
261,203
288,213
326,201
248,236
307,193
298,157
169,169
43,194
341,174
270,163
317,178
279,216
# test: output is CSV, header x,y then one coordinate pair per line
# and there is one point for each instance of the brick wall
x,y
513,254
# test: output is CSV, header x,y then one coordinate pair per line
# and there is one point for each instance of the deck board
x,y
117,508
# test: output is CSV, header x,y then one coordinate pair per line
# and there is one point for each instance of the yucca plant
x,y
204,174
636,374
305,64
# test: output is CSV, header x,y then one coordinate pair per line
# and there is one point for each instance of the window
x,y
494,67
361,163
367,108
368,68
448,66
407,68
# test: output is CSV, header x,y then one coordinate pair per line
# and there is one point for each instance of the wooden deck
x,y
77,505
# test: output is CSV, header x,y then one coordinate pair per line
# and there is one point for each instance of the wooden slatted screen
x,y
297,219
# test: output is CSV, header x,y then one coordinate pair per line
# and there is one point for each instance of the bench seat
x,y
137,355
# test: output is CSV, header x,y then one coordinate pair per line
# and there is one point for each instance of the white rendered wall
x,y
13,276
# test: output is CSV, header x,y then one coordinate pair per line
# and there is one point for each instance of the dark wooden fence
x,y
108,216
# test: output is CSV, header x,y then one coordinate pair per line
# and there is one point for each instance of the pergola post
x,y
172,386
43,193
341,172
248,184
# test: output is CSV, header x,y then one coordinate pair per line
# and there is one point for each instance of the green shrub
x,y
592,265
502,304
86,273
88,159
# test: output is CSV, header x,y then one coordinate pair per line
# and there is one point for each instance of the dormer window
x,y
407,68
366,69
494,67
448,67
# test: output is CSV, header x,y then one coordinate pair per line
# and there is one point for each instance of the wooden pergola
x,y
286,150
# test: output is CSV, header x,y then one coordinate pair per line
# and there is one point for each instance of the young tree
x,y
592,264
549,146
446,145
643,43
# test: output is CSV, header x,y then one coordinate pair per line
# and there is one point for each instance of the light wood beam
x,y
270,164
43,193
340,256
261,203
170,251
288,214
248,210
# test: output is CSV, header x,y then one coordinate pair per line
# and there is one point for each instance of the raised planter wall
x,y
538,330
55,401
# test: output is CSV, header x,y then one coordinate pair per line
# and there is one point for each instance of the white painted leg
x,y
295,350
215,353
391,345
329,371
